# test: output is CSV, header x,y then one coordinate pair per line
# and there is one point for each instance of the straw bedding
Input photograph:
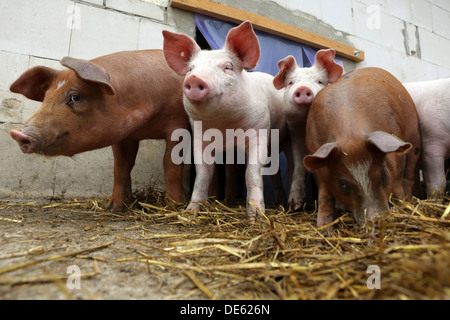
x,y
217,254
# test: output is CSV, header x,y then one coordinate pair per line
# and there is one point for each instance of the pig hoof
x,y
115,207
322,221
193,206
296,205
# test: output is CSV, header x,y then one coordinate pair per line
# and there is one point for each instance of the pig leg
x,y
124,159
253,177
173,174
255,194
434,171
327,205
204,174
411,173
297,192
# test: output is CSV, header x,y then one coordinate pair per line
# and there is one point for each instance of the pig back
x,y
361,102
144,82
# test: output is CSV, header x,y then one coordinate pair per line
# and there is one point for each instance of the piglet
x,y
364,141
219,96
117,100
301,86
432,100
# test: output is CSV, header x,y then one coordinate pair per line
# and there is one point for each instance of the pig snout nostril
x,y
25,142
196,89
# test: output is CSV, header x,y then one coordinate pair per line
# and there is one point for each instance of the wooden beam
x,y
231,14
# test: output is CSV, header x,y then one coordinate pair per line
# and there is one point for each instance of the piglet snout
x,y
303,95
195,88
26,143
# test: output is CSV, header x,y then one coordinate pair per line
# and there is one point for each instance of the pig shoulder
x,y
266,96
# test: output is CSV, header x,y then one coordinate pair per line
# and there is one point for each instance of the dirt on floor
x,y
77,250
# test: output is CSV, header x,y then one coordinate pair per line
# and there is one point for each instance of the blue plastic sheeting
x,y
273,48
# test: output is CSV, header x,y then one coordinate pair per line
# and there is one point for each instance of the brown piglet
x,y
116,100
364,142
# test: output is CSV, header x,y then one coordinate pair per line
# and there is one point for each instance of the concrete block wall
x,y
41,33
410,38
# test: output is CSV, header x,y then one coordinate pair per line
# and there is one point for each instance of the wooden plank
x,y
227,13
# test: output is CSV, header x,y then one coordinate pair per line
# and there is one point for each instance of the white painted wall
x,y
382,27
42,32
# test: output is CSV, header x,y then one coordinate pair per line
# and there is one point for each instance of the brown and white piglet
x,y
117,100
364,141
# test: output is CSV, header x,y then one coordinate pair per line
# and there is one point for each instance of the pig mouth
x,y
32,143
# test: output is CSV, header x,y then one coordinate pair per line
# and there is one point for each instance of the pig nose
x,y
303,95
26,143
195,88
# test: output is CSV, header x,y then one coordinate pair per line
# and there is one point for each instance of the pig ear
x,y
325,60
286,66
388,143
89,71
178,50
320,157
34,83
243,42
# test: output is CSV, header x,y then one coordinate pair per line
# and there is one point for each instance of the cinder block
x,y
11,67
421,14
150,34
11,107
311,7
96,2
441,21
103,32
35,27
431,47
338,16
137,7
400,9
23,175
89,174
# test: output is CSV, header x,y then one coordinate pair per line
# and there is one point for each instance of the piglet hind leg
x,y
124,159
255,192
204,174
434,172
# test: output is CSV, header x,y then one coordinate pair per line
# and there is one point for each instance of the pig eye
x,y
73,98
384,177
291,82
229,66
321,82
344,186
